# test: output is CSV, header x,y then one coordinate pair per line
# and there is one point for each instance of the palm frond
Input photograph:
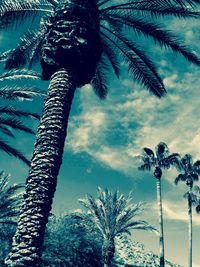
x,y
112,56
14,12
21,93
112,212
19,74
28,50
196,189
149,4
100,79
196,166
11,111
5,130
179,178
15,124
159,34
162,151
137,67
12,151
153,8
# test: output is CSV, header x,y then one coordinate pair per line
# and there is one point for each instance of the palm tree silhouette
x,y
76,41
11,117
114,215
189,173
159,160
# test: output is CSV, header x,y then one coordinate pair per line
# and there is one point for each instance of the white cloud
x,y
138,119
178,211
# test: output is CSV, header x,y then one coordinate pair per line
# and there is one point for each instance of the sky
x,y
105,138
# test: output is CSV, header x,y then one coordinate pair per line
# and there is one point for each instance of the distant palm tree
x,y
189,173
10,202
159,160
76,41
114,215
10,116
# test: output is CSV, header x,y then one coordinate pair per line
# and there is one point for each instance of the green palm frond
x,y
139,66
5,130
15,11
179,178
10,200
28,50
20,93
114,213
4,146
160,3
11,111
196,166
111,53
19,74
100,79
15,124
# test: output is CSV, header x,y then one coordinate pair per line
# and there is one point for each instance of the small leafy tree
x,y
157,161
114,215
71,241
189,174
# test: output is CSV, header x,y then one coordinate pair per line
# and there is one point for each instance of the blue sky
x,y
105,138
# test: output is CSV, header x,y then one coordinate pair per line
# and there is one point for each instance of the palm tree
x,y
10,202
114,215
11,117
76,41
189,173
159,160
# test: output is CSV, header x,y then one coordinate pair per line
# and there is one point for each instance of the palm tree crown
x,y
158,160
114,215
11,117
92,43
189,170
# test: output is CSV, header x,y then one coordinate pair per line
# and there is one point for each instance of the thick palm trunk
x,y
42,179
161,244
190,229
108,252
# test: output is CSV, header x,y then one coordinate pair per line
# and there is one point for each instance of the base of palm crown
x,y
158,172
72,41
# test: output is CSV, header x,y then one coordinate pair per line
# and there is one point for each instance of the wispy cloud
x,y
178,211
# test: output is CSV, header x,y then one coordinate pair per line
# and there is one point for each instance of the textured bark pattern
x,y
41,182
161,245
72,40
108,252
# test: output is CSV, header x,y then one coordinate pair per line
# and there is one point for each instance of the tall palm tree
x,y
114,215
189,173
11,117
76,41
159,160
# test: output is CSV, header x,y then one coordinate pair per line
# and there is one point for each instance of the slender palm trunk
x,y
161,244
190,228
42,179
108,252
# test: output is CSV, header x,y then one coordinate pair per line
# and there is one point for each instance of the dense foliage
x,y
71,241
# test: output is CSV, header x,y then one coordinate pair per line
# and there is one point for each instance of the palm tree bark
x,y
45,165
108,252
161,244
190,227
